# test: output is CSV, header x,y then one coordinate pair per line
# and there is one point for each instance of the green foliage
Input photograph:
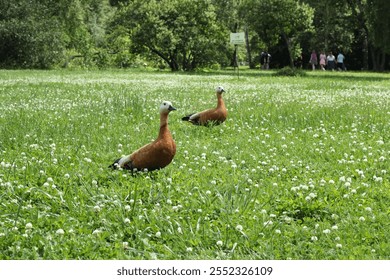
x,y
28,37
273,20
185,34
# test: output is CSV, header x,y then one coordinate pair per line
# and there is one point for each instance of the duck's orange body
x,y
155,155
214,116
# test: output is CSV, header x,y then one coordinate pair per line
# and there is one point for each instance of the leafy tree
x,y
183,33
378,29
28,37
273,20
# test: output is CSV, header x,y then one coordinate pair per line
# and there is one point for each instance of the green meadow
x,y
299,170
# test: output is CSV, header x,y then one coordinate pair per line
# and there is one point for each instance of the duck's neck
x,y
163,125
220,103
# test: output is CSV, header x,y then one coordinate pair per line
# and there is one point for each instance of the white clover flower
x,y
127,208
219,243
268,223
362,219
239,227
67,176
312,195
338,245
368,209
278,231
326,231
29,226
335,227
158,234
189,249
125,244
60,231
96,208
314,238
96,232
126,221
46,184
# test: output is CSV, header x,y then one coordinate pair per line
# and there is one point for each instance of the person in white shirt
x,y
331,63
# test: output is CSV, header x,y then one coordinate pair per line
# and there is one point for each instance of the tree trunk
x,y
378,58
288,44
248,49
365,52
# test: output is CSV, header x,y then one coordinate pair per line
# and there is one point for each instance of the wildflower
x,y
29,226
314,238
239,227
326,231
67,176
127,221
278,231
362,219
189,249
96,232
158,234
60,231
125,245
127,208
338,245
335,227
96,208
219,243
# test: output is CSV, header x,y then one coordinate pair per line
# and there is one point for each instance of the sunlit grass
x,y
300,169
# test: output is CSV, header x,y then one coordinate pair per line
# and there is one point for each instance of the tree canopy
x,y
186,35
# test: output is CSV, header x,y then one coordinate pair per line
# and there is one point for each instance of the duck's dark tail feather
x,y
115,164
186,118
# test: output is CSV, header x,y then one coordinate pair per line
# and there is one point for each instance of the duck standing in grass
x,y
213,116
155,155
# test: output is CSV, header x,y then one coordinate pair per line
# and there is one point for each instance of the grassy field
x,y
300,169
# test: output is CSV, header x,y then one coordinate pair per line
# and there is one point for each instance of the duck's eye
x,y
165,104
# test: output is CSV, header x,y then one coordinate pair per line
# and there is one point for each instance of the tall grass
x,y
300,169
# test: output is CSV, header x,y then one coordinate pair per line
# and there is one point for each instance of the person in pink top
x,y
322,60
313,60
